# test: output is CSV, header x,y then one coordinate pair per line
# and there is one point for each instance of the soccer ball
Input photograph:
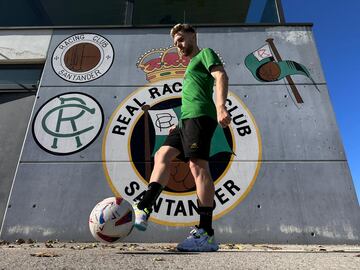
x,y
111,220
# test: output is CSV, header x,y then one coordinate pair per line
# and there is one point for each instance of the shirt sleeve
x,y
210,58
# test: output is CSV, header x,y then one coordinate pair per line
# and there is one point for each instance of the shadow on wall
x,y
8,97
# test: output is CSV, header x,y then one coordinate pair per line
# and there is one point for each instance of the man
x,y
190,140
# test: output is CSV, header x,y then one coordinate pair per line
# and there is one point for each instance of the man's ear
x,y
194,36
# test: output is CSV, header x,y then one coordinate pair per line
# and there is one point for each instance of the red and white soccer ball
x,y
111,220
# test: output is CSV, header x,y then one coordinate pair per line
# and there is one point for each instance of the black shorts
x,y
193,137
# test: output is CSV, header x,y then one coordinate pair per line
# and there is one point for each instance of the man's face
x,y
185,42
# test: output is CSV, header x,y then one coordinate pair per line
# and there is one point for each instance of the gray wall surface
x,y
289,181
15,110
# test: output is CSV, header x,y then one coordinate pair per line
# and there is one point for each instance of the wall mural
x,y
140,123
140,94
82,58
266,65
68,123
138,126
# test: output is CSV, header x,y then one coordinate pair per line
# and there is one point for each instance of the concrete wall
x,y
16,47
15,110
89,138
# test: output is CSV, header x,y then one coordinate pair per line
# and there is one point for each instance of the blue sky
x,y
337,35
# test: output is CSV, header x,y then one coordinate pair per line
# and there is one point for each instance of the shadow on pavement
x,y
156,253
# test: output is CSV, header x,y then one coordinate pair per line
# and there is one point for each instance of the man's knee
x,y
166,154
198,167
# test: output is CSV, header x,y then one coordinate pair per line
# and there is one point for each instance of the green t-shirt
x,y
198,84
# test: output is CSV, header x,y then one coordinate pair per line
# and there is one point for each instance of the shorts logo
x,y
83,58
140,124
194,146
67,123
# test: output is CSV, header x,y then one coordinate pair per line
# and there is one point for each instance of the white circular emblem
x,y
136,130
82,58
67,123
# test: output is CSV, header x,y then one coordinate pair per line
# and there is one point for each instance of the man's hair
x,y
182,27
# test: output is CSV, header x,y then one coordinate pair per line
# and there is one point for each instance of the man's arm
x,y
221,92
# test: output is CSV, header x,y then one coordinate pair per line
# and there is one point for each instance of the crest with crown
x,y
160,64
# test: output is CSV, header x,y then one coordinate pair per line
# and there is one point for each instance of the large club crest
x,y
140,124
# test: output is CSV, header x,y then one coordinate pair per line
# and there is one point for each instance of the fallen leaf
x,y
272,247
44,254
30,241
140,249
171,249
19,241
166,247
228,246
3,242
159,259
49,245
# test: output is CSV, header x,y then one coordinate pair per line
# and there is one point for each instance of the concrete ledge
x,y
24,46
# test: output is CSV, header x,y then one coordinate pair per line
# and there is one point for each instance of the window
x,y
204,11
20,77
62,13
135,12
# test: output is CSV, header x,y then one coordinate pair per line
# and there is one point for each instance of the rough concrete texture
x,y
24,44
12,106
54,255
289,182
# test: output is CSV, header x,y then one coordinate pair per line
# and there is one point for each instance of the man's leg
x,y
158,180
163,157
202,238
205,190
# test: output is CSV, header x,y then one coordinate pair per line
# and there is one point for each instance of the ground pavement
x,y
60,255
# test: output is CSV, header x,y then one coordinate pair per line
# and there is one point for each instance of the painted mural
x,y
68,123
106,102
140,124
82,57
266,65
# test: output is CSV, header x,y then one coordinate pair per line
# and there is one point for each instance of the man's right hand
x,y
223,116
171,129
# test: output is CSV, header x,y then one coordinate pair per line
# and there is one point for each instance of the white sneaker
x,y
199,241
141,218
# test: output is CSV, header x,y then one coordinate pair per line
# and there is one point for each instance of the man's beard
x,y
188,51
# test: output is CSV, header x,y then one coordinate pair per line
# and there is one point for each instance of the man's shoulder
x,y
210,58
207,50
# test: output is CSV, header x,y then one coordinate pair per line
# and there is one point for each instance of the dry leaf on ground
x,y
44,254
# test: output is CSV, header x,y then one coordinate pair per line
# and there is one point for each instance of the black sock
x,y
151,195
206,219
